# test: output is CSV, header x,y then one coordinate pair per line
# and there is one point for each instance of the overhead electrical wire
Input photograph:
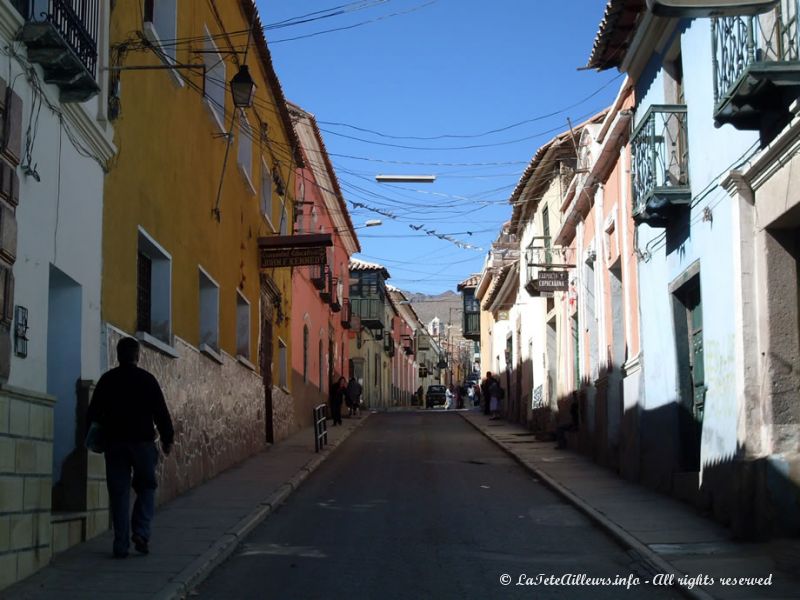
x,y
469,147
354,25
474,135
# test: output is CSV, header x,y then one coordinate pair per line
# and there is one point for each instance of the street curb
x,y
200,568
620,535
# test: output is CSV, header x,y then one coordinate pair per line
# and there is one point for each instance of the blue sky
x,y
440,68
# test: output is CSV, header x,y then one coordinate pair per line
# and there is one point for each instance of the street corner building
x,y
650,274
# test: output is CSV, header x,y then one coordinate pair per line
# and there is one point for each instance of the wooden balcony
x,y
472,326
61,36
369,310
757,69
660,151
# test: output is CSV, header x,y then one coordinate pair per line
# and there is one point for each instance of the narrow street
x,y
420,505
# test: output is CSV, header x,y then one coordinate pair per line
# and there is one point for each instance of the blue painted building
x,y
714,101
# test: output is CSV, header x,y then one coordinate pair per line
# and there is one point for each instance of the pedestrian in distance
x,y
338,397
485,393
448,397
353,396
126,404
573,425
496,394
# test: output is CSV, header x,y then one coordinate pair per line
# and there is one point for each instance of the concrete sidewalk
x,y
191,535
669,535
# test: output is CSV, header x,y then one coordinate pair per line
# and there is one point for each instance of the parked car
x,y
435,395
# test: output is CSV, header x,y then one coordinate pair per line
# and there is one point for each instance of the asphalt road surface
x,y
421,505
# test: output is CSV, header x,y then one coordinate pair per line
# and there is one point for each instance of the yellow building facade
x,y
196,183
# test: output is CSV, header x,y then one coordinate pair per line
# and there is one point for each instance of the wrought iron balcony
x,y
660,151
61,35
757,69
319,276
346,313
370,310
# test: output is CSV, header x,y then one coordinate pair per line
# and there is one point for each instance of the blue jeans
x,y
123,460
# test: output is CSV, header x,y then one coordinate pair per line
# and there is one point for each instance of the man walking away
x,y
126,403
353,396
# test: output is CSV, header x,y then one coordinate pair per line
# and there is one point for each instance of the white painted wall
x,y
711,153
59,218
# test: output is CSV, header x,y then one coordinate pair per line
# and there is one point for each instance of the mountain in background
x,y
446,306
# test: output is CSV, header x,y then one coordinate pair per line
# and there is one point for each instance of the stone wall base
x,y
26,470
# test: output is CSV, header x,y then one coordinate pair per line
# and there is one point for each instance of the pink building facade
x,y
321,309
601,311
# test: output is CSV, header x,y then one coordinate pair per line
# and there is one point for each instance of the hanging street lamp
x,y
243,88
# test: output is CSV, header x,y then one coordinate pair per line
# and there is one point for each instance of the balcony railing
x,y
61,35
757,68
319,276
660,153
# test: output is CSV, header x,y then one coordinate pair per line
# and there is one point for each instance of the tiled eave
x,y
615,34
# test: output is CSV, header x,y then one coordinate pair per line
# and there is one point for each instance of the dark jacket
x,y
338,395
353,392
127,401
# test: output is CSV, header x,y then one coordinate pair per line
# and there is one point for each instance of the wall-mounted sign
x,y
271,258
553,281
293,250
